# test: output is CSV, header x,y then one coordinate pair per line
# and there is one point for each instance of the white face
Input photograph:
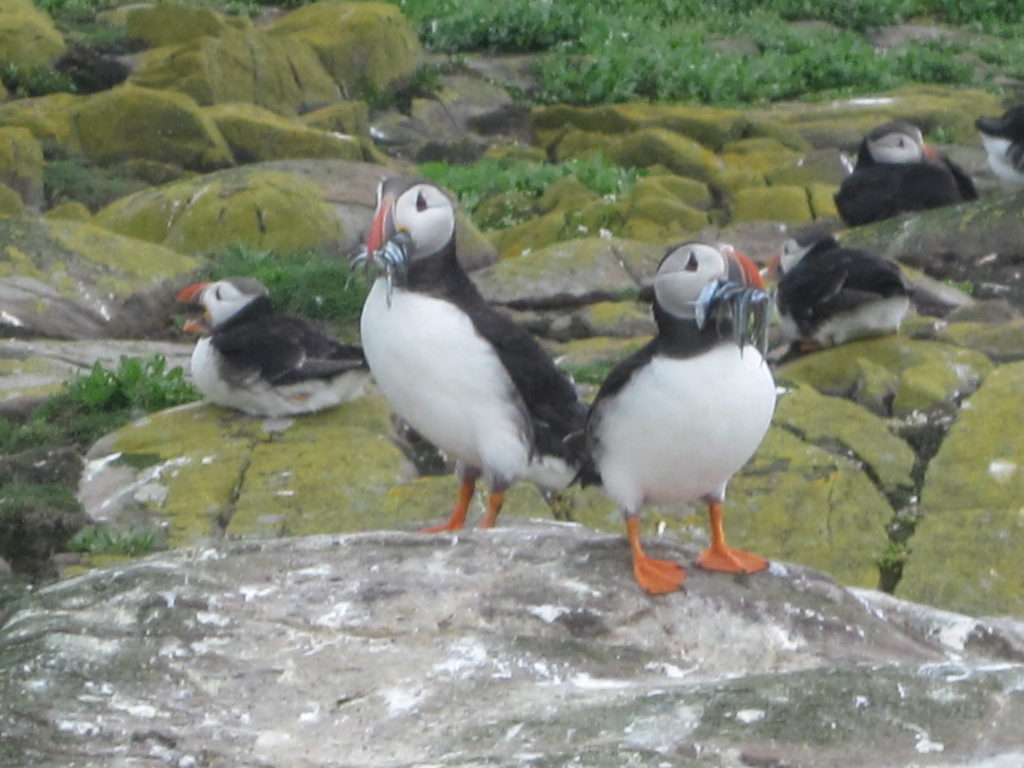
x,y
224,299
427,214
682,275
791,254
898,147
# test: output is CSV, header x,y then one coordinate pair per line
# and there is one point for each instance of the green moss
x,y
11,204
1001,342
256,134
27,35
785,203
47,117
72,210
172,24
659,146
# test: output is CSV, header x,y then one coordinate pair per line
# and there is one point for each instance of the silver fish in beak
x,y
387,246
748,308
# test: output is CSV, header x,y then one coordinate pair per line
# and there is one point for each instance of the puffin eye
x,y
216,293
421,202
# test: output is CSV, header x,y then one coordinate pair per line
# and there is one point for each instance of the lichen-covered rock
x,y
824,166
348,117
255,134
855,370
690,191
657,218
202,472
590,268
11,203
362,45
249,65
784,203
966,548
28,36
172,24
254,206
660,146
66,279
21,165
1002,342
72,210
47,117
130,122
529,236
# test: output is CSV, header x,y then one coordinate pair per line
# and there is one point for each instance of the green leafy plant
x,y
66,179
24,82
106,540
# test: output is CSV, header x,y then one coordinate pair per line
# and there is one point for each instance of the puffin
x,y
255,360
465,376
674,421
897,172
828,294
1003,138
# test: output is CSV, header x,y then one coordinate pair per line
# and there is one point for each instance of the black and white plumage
x,y
1003,138
264,363
678,418
463,375
828,294
897,172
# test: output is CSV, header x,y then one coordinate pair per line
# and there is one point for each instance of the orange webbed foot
x,y
447,527
658,577
457,519
731,560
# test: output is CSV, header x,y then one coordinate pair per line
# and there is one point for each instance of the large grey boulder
x,y
524,645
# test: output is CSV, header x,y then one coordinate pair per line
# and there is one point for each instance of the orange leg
x,y
719,556
457,519
493,508
654,576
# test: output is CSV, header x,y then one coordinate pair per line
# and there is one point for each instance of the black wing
x,y
286,350
878,192
963,181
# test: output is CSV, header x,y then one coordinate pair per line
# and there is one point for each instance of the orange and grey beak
x,y
930,153
198,325
742,268
190,294
383,227
773,271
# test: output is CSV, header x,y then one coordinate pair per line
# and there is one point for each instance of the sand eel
x,y
897,172
462,374
263,363
678,418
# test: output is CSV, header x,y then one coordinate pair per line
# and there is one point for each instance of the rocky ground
x,y
891,463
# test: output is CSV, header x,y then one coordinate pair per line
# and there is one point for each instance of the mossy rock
x,y
256,134
172,24
926,386
367,45
762,162
869,371
505,210
11,203
566,194
822,198
690,191
72,210
241,65
788,204
28,36
522,239
757,145
265,209
732,179
821,167
130,122
965,552
660,146
21,165
658,219
578,144
207,472
1001,342
617,319
348,117
48,118
68,279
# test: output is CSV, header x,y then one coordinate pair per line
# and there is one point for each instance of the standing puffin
x,y
1003,138
463,375
264,363
897,172
828,294
679,417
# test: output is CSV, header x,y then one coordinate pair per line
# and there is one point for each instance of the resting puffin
x,y
1003,138
264,363
828,294
463,375
897,172
679,417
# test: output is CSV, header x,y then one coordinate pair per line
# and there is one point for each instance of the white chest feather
x,y
1001,161
445,380
681,428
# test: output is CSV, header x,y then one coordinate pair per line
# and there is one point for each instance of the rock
x,y
248,65
362,45
21,166
255,134
172,24
28,36
66,279
1001,342
72,210
48,118
783,203
823,166
447,658
573,272
11,203
130,122
966,552
869,372
251,205
660,146
348,117
36,521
